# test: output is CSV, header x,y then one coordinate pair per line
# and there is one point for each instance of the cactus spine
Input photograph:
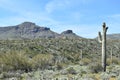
x,y
102,39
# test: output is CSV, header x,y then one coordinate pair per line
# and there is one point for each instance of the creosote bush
x,y
42,61
19,61
14,61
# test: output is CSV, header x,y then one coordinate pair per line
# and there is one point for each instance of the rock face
x,y
26,30
69,34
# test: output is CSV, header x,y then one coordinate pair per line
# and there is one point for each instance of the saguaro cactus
x,y
102,39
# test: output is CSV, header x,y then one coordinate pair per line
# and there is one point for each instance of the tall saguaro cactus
x,y
102,39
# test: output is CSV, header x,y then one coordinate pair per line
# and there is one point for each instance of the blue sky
x,y
84,17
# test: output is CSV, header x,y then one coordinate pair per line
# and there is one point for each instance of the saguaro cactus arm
x,y
99,37
106,29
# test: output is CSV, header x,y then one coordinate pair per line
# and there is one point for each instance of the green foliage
x,y
19,61
15,61
60,66
115,60
109,61
54,54
71,70
95,67
86,61
42,61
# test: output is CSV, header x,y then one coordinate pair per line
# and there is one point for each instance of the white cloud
x,y
56,4
43,19
40,19
22,14
53,5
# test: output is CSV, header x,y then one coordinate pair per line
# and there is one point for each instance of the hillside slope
x,y
27,30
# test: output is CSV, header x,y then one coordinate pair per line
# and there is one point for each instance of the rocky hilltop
x,y
69,34
26,30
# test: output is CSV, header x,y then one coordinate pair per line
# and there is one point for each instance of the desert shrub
x,y
15,61
95,67
42,61
109,61
71,70
105,76
115,60
60,66
115,70
86,61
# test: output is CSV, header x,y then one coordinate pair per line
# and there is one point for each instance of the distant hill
x,y
113,36
29,30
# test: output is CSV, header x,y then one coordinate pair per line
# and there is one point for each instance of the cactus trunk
x,y
104,50
102,39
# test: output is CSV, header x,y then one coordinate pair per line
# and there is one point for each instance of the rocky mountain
x,y
29,30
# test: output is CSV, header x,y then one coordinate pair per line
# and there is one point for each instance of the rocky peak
x,y
44,28
67,32
31,25
27,23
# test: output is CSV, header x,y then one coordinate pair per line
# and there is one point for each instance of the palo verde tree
x,y
102,39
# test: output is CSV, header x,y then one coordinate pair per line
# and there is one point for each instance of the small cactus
x,y
102,39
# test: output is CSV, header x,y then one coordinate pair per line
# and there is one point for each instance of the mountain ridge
x,y
113,36
29,30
